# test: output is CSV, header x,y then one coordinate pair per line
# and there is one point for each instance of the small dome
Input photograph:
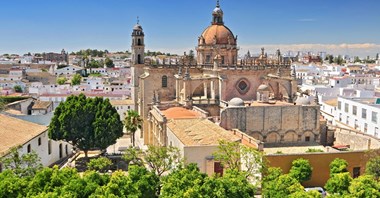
x,y
221,33
263,87
236,102
217,11
137,27
302,101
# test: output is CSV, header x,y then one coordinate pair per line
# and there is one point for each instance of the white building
x,y
67,71
359,113
30,137
122,106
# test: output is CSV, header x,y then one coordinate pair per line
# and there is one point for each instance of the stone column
x,y
205,89
212,90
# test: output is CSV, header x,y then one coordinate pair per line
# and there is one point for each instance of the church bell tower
x,y
137,63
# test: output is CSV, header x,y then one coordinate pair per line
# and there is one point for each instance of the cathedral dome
x,y
218,34
236,102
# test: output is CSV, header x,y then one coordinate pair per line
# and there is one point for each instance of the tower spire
x,y
217,4
138,20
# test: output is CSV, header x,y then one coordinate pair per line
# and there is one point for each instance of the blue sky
x,y
338,26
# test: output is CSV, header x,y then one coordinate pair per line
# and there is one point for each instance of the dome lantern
x,y
217,15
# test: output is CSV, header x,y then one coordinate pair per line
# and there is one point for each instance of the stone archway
x,y
257,135
199,91
308,136
290,136
273,137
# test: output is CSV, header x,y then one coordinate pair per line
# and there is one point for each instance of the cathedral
x,y
220,86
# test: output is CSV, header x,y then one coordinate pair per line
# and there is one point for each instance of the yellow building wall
x,y
320,163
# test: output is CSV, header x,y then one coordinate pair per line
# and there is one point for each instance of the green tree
x,y
339,183
88,123
162,159
183,182
364,186
338,60
22,165
338,166
143,182
109,63
301,170
2,105
283,186
12,185
17,88
228,154
133,156
100,164
233,155
61,80
357,59
373,167
75,80
94,64
132,123
233,184
330,58
51,180
139,183
269,180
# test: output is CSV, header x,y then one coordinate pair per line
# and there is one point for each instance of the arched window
x,y
164,81
60,151
39,141
49,147
29,148
66,150
138,41
138,59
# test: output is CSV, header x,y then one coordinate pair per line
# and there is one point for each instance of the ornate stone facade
x,y
215,78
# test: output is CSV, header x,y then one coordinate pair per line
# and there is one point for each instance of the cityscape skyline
x,y
337,27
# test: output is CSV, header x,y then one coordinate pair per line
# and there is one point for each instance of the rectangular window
x,y
218,168
374,117
376,131
365,127
208,57
354,110
49,147
356,172
364,113
346,108
307,139
339,105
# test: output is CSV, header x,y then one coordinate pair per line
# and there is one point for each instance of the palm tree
x,y
132,122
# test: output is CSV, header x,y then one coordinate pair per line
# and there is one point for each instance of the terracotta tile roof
x,y
42,104
14,132
199,131
180,112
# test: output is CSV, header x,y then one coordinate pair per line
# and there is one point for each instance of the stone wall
x,y
356,140
274,124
